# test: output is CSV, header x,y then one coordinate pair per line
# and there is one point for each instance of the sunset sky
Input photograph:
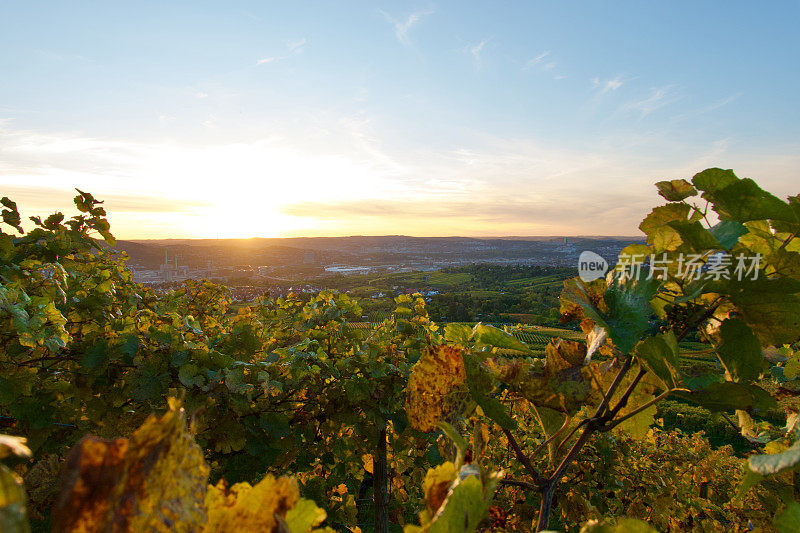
x,y
270,119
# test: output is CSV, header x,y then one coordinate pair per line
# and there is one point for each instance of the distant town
x,y
301,264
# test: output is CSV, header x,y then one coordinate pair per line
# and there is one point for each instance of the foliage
x,y
636,319
88,350
290,386
157,480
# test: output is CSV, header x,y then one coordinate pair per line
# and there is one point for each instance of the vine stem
x,y
551,484
516,483
522,458
623,401
603,421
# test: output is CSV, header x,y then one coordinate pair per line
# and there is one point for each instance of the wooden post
x,y
380,484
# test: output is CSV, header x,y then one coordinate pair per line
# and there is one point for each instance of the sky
x,y
277,119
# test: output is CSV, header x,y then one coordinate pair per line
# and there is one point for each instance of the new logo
x,y
591,266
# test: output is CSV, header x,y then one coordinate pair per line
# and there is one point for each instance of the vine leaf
x,y
435,382
497,338
727,232
740,351
13,515
788,520
660,355
622,309
479,383
676,190
150,481
743,200
561,382
694,234
273,504
459,333
727,395
773,463
658,229
458,441
714,179
456,501
771,307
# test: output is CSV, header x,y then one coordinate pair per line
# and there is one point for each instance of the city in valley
x,y
276,262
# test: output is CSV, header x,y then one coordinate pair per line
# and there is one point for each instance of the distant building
x,y
348,269
171,271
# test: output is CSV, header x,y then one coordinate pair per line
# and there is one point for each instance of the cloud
x,y
713,106
529,214
536,60
658,98
719,103
60,56
339,175
402,27
296,46
476,51
542,64
34,198
608,85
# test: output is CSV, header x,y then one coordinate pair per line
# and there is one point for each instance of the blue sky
x,y
445,118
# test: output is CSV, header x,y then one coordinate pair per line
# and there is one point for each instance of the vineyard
x,y
123,409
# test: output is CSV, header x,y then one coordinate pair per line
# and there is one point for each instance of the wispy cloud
x,y
713,106
402,26
36,198
658,98
719,103
534,61
60,56
339,176
544,63
607,85
293,47
477,50
296,46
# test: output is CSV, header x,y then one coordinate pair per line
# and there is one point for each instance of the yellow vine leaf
x,y
157,480
434,379
272,505
153,481
368,462
437,484
13,516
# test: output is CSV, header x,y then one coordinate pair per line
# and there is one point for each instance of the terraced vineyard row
x,y
533,339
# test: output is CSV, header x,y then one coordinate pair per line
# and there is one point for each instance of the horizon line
x,y
501,237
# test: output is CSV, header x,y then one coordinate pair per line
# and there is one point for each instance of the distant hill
x,y
369,250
